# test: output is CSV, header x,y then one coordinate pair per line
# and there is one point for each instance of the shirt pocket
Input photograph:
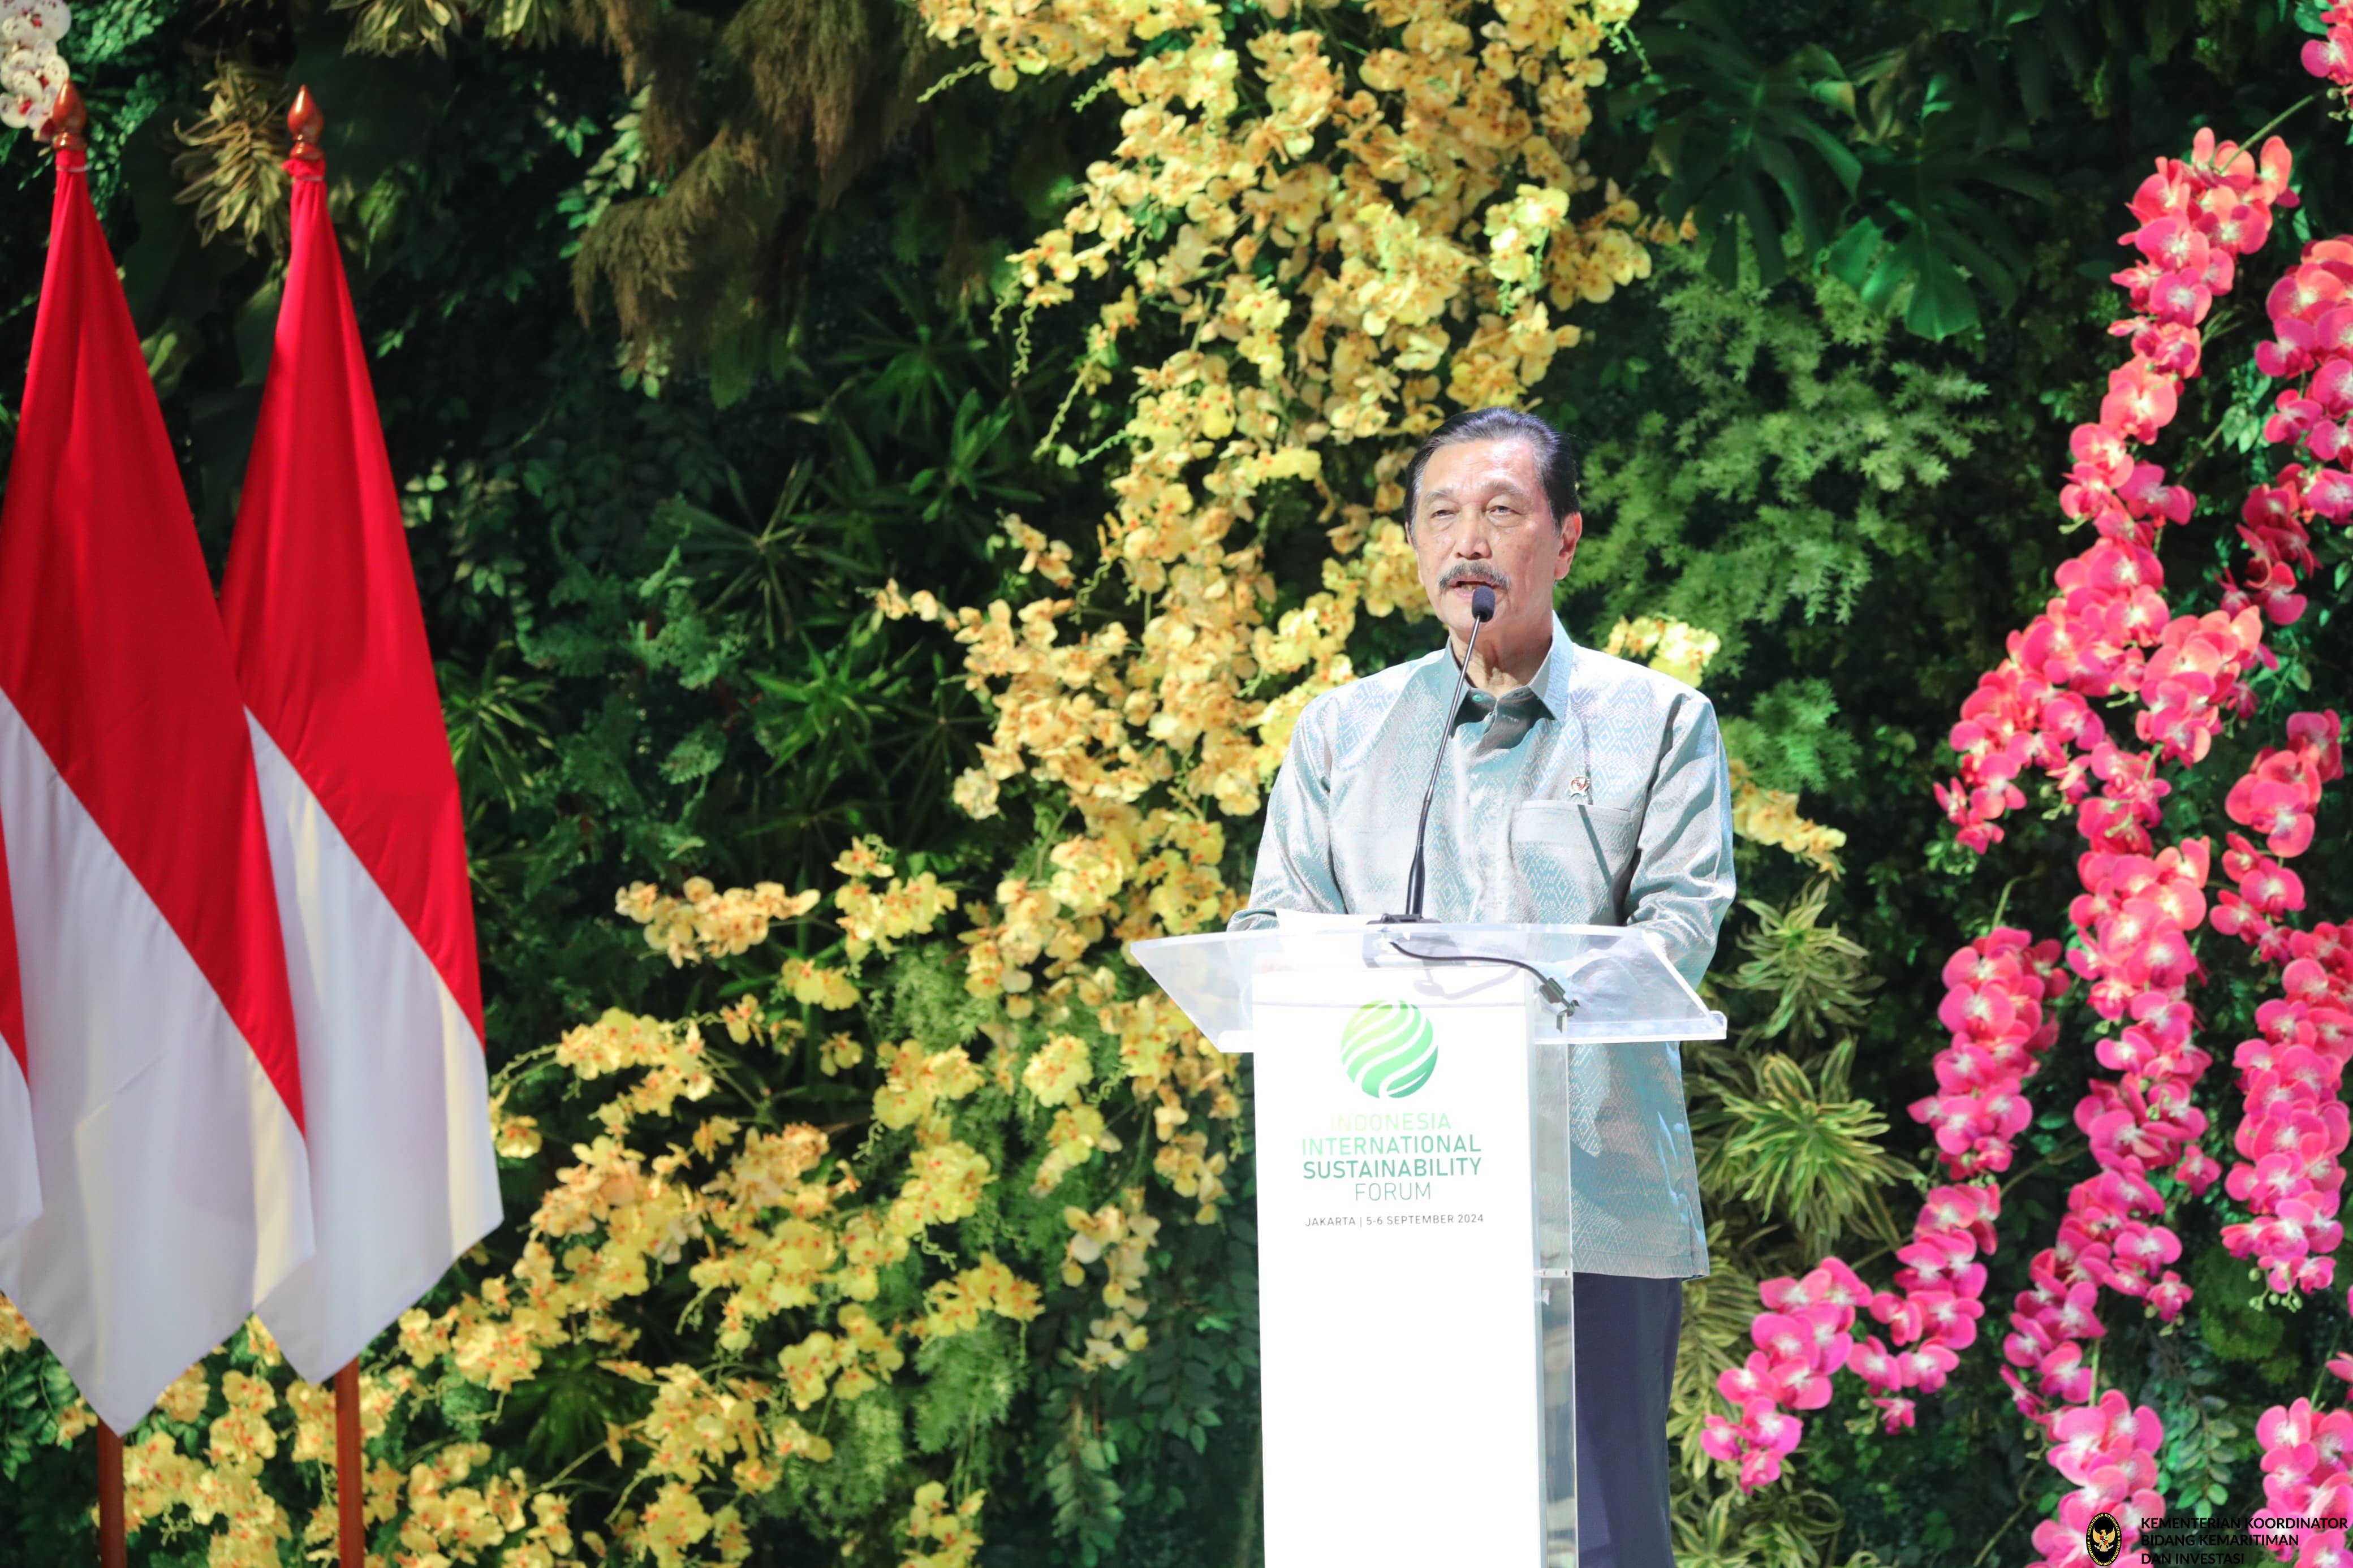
x,y
1576,859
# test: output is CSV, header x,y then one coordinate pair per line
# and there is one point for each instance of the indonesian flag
x,y
158,1034
365,831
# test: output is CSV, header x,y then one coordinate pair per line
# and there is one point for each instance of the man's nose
x,y
1475,540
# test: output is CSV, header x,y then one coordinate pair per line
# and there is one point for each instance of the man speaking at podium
x,y
1571,787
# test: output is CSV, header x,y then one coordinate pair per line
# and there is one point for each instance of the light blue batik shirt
x,y
1595,794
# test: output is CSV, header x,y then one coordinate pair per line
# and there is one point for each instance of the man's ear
x,y
1572,528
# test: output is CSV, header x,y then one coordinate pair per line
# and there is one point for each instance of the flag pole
x,y
351,1533
303,123
63,131
112,1551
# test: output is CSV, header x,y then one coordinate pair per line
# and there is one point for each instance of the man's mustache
x,y
1474,572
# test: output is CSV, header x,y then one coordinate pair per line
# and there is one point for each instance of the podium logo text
x,y
1389,1049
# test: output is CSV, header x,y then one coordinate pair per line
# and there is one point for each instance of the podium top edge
x,y
1428,928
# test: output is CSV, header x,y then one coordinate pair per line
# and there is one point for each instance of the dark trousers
x,y
1625,1333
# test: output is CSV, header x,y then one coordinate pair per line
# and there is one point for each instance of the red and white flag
x,y
159,1036
365,831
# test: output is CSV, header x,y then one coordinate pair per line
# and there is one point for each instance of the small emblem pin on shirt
x,y
1576,788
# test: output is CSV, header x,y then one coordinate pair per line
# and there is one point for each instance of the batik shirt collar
x,y
1548,689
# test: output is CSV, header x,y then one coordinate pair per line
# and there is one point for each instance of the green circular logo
x,y
1389,1049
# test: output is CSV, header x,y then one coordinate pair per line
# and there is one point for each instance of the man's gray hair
x,y
1555,456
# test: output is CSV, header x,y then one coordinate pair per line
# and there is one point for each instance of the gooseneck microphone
x,y
1482,610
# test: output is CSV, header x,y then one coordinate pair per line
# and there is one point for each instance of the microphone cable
x,y
1546,986
1483,608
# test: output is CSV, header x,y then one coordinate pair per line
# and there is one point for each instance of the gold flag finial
x,y
64,127
305,122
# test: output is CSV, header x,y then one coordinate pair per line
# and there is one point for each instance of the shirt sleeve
x,y
1683,881
1294,855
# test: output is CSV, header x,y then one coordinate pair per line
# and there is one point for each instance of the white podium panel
x,y
1410,1101
1398,1329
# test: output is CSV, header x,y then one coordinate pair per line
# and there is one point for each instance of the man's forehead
x,y
1509,460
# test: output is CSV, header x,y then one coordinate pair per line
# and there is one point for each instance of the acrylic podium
x,y
1412,1135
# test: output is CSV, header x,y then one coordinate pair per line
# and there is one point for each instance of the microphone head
x,y
1483,603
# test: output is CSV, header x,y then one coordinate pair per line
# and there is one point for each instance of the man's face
x,y
1482,517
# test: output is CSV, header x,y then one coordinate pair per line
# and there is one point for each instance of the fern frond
x,y
748,129
1820,976
231,170
1801,1154
400,27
